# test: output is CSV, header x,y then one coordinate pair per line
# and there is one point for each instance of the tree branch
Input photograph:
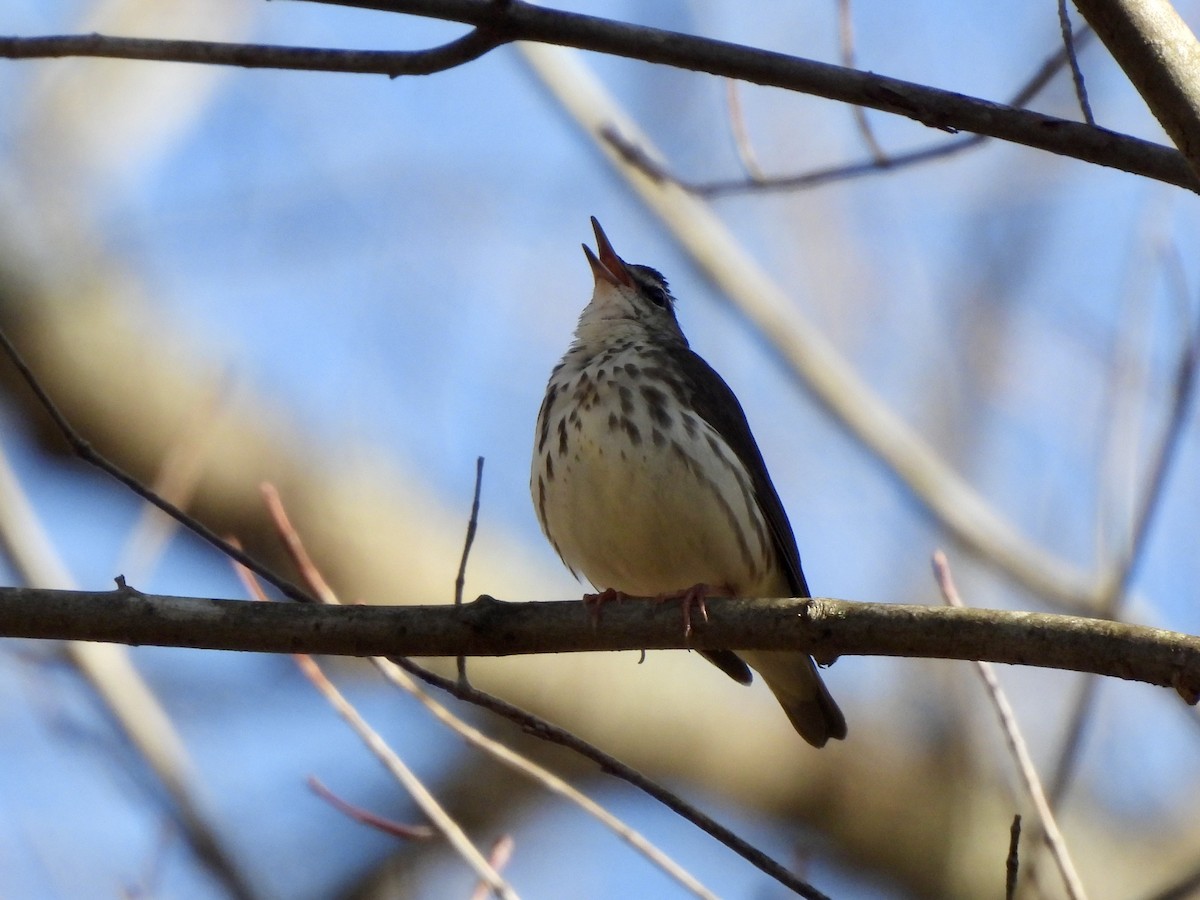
x,y
548,731
488,627
759,182
392,63
936,108
1161,56
499,22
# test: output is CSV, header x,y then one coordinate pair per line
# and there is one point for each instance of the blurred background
x,y
352,287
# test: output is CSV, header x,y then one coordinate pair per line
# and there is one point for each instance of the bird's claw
x,y
593,602
689,599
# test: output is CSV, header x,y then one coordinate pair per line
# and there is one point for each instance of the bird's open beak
x,y
608,265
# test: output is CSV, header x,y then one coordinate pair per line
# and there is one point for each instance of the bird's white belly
x,y
648,506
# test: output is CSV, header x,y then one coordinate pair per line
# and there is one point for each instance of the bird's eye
x,y
657,295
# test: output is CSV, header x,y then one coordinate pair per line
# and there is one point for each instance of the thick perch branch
x,y
488,627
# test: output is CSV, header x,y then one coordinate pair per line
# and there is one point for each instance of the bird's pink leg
x,y
593,602
694,598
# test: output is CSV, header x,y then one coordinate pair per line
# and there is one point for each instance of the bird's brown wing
x,y
792,677
715,402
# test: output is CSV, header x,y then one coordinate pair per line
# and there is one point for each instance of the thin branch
x,y
368,818
846,48
1016,745
548,731
1157,50
944,110
1169,445
295,548
741,135
1012,865
545,778
634,154
498,856
392,63
1064,24
121,689
473,736
442,820
88,454
500,22
1166,452
460,580
826,628
176,481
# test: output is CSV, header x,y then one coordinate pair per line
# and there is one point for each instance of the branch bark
x,y
500,22
945,110
392,63
826,628
1161,56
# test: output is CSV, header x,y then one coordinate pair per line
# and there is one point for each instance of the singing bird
x,y
648,482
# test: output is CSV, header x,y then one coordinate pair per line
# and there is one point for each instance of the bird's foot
x,y
593,602
693,598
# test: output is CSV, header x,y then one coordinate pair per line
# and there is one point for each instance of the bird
x,y
648,482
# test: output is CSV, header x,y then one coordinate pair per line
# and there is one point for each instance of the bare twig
x,y
392,63
845,172
741,135
368,818
945,110
547,731
1012,865
88,454
1064,24
309,571
498,856
121,689
442,820
1166,452
1182,394
460,580
471,735
176,481
546,779
846,47
1016,745
1160,54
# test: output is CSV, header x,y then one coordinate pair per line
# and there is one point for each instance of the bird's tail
x,y
794,680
